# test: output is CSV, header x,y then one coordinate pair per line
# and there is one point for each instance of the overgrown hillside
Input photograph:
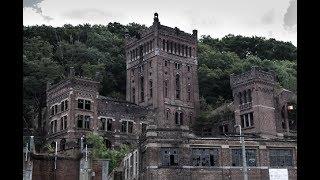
x,y
48,52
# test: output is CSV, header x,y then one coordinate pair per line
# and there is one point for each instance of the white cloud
x,y
211,17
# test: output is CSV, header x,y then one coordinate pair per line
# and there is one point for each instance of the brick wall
x,y
43,168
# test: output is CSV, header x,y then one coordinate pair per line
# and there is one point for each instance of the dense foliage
x,y
100,151
98,52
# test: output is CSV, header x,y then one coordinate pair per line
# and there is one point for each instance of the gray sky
x,y
217,18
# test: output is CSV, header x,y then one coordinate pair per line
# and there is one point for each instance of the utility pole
x,y
244,159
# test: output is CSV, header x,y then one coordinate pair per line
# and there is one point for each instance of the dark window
x,y
52,111
178,86
163,44
204,157
87,122
242,121
182,49
108,143
240,97
249,95
150,88
61,124
109,124
189,92
179,49
55,109
189,51
133,95
245,96
178,116
124,126
167,114
251,156
142,89
281,157
87,105
63,144
103,124
175,48
223,129
62,106
83,121
130,127
165,63
246,120
188,67
166,88
144,128
80,121
80,103
169,156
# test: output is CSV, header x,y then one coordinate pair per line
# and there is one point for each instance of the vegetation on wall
x,y
98,51
99,150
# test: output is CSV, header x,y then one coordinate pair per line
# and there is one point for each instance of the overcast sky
x,y
217,18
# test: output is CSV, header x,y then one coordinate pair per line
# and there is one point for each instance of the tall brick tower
x,y
253,93
162,73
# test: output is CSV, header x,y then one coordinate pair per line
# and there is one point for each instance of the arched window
x,y
177,86
63,144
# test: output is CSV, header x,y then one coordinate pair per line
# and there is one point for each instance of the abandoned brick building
x,y
162,102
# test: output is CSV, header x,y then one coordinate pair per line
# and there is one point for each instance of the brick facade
x,y
162,102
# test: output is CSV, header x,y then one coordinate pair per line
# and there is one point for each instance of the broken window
x,y
280,157
169,156
204,157
251,157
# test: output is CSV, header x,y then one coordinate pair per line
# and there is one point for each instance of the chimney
x,y
195,32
